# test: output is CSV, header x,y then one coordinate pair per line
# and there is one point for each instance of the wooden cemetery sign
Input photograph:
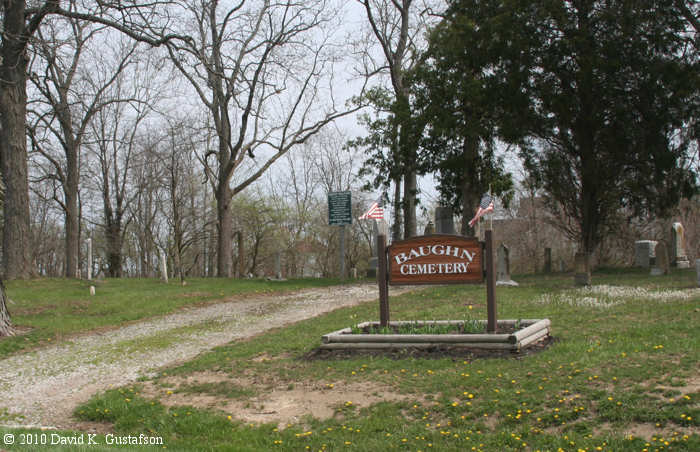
x,y
435,259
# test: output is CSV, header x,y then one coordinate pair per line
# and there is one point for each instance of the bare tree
x,y
70,96
181,182
261,69
20,22
147,175
115,130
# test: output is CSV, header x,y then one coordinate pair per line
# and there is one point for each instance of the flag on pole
x,y
485,206
375,211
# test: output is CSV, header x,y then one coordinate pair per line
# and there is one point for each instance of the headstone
x,y
548,260
503,267
92,290
444,220
661,265
372,269
582,271
644,253
678,256
697,270
429,228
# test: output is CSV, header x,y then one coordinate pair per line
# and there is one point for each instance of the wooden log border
x,y
535,330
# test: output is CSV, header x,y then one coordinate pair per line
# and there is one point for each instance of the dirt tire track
x,y
41,388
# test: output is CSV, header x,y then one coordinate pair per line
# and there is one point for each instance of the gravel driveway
x,y
42,388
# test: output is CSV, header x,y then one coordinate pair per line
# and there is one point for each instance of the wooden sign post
x,y
382,281
490,284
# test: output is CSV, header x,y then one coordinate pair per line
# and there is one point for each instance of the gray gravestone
x,y
503,267
582,272
548,260
678,256
429,228
372,268
444,221
644,253
661,264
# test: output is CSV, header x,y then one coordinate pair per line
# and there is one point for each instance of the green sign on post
x,y
340,214
339,208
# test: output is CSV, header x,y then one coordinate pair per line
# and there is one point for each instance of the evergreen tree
x,y
613,85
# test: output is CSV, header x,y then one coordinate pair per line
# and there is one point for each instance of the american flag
x,y
485,206
375,211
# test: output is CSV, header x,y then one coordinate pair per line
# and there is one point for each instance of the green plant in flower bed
x,y
621,376
468,326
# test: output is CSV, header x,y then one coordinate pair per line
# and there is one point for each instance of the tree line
x,y
599,99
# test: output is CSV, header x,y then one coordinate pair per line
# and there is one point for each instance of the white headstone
x,y
678,256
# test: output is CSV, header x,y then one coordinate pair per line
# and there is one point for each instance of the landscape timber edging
x,y
535,329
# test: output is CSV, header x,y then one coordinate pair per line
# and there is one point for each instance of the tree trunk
x,y
5,322
114,250
470,190
241,255
410,228
224,224
72,224
396,227
13,156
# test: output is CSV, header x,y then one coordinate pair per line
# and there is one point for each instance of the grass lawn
x,y
622,375
56,308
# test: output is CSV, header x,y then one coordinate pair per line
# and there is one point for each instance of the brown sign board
x,y
436,259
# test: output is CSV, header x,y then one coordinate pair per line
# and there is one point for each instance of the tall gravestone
x,y
444,220
662,264
678,256
503,267
644,253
